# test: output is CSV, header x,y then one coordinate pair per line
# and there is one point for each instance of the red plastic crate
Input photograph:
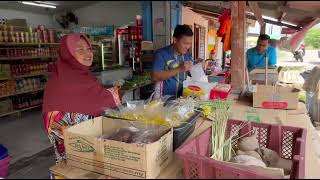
x,y
288,142
216,94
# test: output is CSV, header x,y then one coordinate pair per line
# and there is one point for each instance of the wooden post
x,y
238,44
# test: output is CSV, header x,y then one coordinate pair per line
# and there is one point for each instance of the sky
x,y
317,26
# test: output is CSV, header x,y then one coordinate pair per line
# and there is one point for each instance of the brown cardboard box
x,y
146,45
113,158
275,97
257,76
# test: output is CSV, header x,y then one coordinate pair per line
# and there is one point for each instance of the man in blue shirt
x,y
256,56
171,63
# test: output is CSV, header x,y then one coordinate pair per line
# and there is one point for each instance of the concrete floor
x,y
27,144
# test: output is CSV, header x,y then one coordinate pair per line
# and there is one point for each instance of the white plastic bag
x,y
197,73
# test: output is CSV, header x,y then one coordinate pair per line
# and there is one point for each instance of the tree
x,y
313,38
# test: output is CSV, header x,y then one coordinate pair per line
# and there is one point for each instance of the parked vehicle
x,y
299,53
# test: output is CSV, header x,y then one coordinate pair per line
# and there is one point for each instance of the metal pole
x,y
266,69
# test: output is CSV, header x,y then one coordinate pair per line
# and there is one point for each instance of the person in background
x,y
273,43
172,62
256,56
73,94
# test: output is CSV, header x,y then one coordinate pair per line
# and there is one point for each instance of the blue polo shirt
x,y
166,59
255,60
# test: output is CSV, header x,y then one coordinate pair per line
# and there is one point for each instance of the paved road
x,y
311,59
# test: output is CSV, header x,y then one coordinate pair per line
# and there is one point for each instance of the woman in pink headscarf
x,y
73,94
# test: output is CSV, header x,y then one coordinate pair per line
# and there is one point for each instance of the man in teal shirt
x,y
256,56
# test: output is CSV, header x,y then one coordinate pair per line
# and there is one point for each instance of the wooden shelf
x,y
27,57
21,110
29,44
24,92
5,78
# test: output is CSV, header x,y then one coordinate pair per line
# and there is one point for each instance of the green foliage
x,y
313,38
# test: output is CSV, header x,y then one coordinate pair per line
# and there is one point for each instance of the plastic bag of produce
x,y
135,134
179,111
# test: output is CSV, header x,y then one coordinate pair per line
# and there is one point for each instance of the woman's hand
x,y
118,89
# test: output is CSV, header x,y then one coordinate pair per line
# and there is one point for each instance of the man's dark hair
x,y
182,30
264,37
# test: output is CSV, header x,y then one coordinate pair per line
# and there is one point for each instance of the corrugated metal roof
x,y
296,13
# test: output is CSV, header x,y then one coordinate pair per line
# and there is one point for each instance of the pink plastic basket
x,y
289,142
4,167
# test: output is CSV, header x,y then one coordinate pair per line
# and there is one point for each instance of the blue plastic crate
x,y
3,152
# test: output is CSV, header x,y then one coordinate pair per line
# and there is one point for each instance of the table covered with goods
x,y
179,143
209,132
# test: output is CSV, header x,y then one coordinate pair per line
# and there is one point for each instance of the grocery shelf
x,y
27,44
27,57
24,92
23,76
4,78
31,75
21,110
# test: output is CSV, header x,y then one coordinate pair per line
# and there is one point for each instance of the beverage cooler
x,y
129,46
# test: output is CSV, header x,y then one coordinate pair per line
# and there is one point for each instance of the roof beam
x,y
256,11
219,10
212,9
274,22
258,15
206,13
298,12
283,14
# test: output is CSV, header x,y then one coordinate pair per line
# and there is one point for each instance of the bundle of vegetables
x,y
207,107
221,147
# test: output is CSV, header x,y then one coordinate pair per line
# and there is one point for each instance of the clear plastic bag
x,y
133,134
179,111
124,134
163,111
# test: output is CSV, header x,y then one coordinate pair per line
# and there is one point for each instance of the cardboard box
x,y
146,45
257,76
113,158
275,97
